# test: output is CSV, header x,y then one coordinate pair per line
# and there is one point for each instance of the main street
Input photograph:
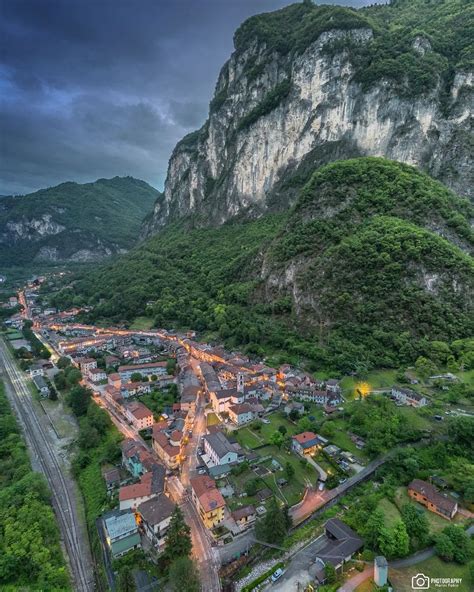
x,y
62,486
206,556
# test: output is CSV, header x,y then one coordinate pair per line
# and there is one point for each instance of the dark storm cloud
x,y
97,88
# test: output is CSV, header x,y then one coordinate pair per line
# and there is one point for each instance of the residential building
x,y
408,397
341,544
41,385
36,370
154,516
219,449
436,502
244,517
333,386
121,532
150,485
111,478
241,414
151,369
114,380
96,375
133,389
139,414
294,406
222,399
168,453
208,500
306,443
86,364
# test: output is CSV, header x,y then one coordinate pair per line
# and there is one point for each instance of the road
x,y
314,500
61,484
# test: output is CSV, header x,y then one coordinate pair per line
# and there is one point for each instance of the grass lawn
x,y
212,419
290,493
436,522
432,568
390,511
142,324
416,419
375,380
276,420
248,437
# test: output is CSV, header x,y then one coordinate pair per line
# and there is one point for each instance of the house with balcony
x,y
208,500
121,532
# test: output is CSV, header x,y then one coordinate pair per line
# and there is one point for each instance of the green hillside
x,y
102,218
369,267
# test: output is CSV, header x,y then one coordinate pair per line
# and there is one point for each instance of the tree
x,y
251,486
373,529
416,524
277,439
330,573
289,470
282,429
401,539
274,525
63,362
460,541
178,539
444,547
425,367
79,399
60,381
294,415
136,377
126,581
53,395
183,575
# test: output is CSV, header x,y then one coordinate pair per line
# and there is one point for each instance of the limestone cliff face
x,y
274,117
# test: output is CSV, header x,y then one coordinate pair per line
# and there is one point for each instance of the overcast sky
x,y
98,88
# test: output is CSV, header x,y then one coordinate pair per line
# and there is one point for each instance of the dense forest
x,y
376,253
442,26
30,551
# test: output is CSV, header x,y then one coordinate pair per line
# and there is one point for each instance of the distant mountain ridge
x,y
74,222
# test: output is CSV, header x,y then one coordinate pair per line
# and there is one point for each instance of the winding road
x,y
60,483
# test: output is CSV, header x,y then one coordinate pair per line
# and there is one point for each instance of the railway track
x,y
76,546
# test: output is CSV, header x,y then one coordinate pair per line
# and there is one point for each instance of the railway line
x,y
75,541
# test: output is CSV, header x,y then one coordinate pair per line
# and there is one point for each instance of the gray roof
x,y
380,561
40,382
219,443
119,523
342,542
156,509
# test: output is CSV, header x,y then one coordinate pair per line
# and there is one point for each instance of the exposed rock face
x,y
229,168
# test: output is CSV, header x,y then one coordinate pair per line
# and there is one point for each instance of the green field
x,y
390,511
142,324
432,568
375,380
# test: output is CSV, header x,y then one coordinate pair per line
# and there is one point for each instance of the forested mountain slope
x,y
369,267
74,222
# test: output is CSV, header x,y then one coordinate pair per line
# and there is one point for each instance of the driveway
x,y
297,572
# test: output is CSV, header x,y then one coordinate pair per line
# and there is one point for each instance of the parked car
x,y
277,575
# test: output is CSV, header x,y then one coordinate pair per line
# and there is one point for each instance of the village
x,y
220,431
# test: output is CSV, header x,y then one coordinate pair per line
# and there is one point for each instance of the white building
x,y
219,449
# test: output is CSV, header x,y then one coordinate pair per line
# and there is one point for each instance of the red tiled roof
x,y
209,496
432,495
139,410
304,437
